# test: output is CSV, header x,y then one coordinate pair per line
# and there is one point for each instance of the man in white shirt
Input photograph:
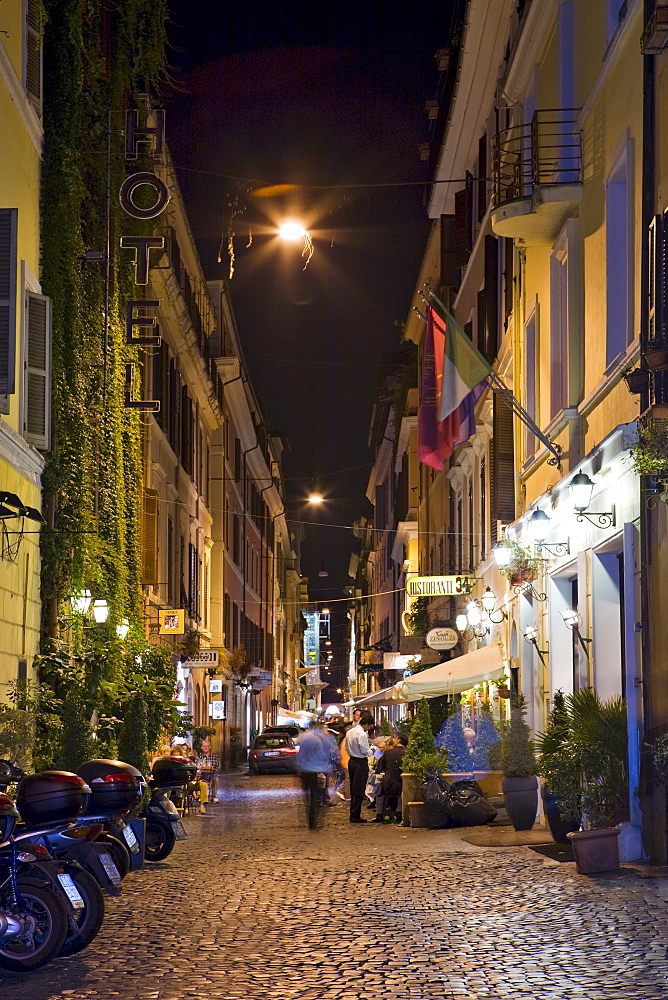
x,y
359,751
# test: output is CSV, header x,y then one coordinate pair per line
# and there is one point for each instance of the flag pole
x,y
497,386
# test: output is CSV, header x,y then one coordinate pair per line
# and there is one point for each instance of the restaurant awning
x,y
452,677
377,698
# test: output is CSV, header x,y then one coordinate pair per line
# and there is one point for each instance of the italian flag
x,y
463,368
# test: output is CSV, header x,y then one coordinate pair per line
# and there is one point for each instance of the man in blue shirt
x,y
318,754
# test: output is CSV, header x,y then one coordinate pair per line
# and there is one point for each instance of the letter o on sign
x,y
143,179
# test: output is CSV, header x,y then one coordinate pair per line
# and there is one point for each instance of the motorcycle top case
x,y
52,797
115,786
170,771
8,817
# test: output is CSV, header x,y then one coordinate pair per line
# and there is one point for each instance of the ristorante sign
x,y
438,586
139,312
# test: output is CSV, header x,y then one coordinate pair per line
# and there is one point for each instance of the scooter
x,y
34,918
163,823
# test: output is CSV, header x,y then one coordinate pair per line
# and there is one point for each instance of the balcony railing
x,y
548,150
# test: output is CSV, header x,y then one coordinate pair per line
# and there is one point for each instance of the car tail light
x,y
289,750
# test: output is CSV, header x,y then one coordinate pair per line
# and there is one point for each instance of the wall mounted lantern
x,y
81,602
100,611
539,528
531,635
573,620
123,629
488,601
582,487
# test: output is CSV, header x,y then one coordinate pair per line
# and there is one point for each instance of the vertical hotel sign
x,y
141,329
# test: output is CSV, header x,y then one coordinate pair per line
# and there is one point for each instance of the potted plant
x,y
523,567
558,768
637,380
421,756
518,763
650,456
600,793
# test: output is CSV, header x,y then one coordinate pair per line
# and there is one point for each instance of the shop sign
x,y
202,658
260,679
438,586
172,622
442,638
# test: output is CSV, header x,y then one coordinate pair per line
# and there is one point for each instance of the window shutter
x,y
656,325
449,271
482,177
491,297
461,241
37,371
508,255
149,549
468,222
33,55
502,471
8,220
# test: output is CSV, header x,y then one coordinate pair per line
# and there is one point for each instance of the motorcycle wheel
x,y
83,925
160,840
47,930
119,853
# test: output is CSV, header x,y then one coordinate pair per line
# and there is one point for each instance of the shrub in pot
x,y
421,756
601,793
558,767
520,769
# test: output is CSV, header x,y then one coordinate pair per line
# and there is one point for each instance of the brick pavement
x,y
253,906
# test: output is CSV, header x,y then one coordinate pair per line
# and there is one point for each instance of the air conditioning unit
x,y
431,109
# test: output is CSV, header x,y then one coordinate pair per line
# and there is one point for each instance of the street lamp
x,y
531,635
100,611
81,602
122,629
291,230
573,620
539,525
582,487
502,555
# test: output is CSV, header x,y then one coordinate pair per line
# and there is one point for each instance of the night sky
x,y
319,94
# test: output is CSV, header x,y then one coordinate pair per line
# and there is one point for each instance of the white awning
x,y
452,677
377,698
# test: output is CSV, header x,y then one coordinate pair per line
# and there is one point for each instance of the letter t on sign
x,y
142,245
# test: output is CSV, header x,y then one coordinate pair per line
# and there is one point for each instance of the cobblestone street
x,y
253,905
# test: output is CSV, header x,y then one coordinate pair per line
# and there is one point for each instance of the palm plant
x,y
600,747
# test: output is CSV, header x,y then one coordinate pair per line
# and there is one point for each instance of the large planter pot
x,y
559,827
595,850
410,792
521,796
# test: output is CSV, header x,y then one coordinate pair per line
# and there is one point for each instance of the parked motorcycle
x,y
33,917
163,823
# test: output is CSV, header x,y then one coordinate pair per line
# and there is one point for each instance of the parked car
x,y
271,752
294,732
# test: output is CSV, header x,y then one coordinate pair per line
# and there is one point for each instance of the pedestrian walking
x,y
318,755
358,750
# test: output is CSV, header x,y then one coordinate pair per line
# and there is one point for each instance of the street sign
x,y
442,638
217,710
438,586
215,687
202,658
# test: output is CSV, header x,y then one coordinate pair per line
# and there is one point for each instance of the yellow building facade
x,y
24,343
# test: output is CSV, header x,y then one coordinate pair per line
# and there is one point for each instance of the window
x,y
149,538
559,354
483,508
471,554
619,255
615,13
8,223
170,561
531,379
37,371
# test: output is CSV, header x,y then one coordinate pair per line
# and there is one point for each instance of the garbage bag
x,y
435,795
467,805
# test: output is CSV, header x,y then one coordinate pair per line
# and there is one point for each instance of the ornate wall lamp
x,y
488,601
531,635
582,487
573,620
539,528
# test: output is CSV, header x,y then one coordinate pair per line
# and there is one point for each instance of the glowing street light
x,y
315,498
291,230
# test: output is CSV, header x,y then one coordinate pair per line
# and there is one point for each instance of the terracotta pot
x,y
410,792
637,380
596,850
521,796
656,358
503,691
524,576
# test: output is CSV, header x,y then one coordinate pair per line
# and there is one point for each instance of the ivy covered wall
x,y
99,59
